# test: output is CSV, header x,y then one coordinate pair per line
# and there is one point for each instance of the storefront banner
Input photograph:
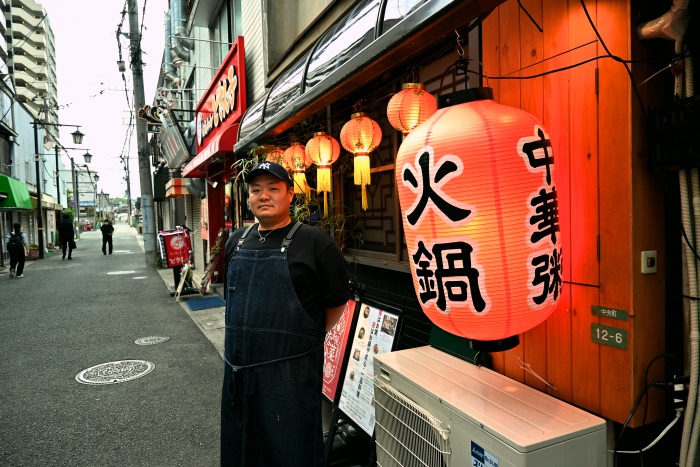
x,y
172,143
374,334
334,354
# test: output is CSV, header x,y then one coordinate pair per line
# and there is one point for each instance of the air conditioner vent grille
x,y
407,434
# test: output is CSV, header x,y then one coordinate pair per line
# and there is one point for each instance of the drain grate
x,y
115,372
150,340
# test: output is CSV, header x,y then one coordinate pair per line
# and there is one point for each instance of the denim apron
x,y
271,406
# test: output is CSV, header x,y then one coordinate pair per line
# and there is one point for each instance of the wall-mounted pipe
x,y
179,48
168,68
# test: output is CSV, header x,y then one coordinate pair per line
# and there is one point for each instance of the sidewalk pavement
x,y
209,320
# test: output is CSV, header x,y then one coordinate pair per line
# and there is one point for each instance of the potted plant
x,y
33,251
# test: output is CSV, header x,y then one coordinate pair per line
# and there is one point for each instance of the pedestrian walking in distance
x,y
66,234
107,231
16,242
287,284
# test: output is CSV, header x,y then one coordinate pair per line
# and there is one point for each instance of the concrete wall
x,y
288,21
254,49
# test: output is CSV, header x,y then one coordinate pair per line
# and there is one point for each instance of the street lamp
x,y
87,157
77,139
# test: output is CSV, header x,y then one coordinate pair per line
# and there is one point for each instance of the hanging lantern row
x,y
361,135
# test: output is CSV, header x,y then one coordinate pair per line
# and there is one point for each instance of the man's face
x,y
270,199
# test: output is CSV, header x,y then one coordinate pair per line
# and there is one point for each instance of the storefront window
x,y
286,89
252,118
343,41
220,32
396,10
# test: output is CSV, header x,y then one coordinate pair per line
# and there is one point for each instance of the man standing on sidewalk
x,y
107,231
66,234
16,242
286,285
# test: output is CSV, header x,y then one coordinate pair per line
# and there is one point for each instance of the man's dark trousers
x,y
106,239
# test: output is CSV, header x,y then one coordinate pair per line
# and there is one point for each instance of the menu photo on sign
x,y
334,351
376,332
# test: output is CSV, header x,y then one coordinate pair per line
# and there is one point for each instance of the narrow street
x,y
64,317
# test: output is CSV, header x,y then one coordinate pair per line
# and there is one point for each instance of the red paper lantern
x,y
277,155
297,160
481,220
410,107
323,150
361,135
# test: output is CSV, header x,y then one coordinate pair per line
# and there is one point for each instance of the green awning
x,y
14,194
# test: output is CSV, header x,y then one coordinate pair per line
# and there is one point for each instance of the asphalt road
x,y
64,317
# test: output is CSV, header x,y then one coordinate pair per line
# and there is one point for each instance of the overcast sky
x,y
91,92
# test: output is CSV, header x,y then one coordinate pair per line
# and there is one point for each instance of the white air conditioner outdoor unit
x,y
435,410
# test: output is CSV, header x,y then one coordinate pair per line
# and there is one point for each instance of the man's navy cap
x,y
272,168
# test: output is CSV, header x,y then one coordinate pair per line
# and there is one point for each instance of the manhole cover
x,y
150,340
115,372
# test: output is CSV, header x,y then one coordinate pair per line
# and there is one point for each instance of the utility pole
x,y
128,192
149,228
40,208
58,177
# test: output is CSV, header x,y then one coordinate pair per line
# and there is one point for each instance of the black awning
x,y
396,40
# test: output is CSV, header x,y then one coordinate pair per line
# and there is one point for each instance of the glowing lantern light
x,y
481,220
410,107
297,160
323,150
361,135
277,155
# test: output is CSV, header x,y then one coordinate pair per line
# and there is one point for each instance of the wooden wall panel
x,y
556,30
559,348
583,168
531,39
580,30
509,63
586,377
509,39
615,203
595,139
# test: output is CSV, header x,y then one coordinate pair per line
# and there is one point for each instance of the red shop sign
x,y
224,102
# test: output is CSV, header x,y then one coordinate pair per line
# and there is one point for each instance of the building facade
x,y
29,96
308,69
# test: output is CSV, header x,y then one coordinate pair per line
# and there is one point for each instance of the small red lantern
x,y
481,220
410,107
277,155
323,150
361,135
297,160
